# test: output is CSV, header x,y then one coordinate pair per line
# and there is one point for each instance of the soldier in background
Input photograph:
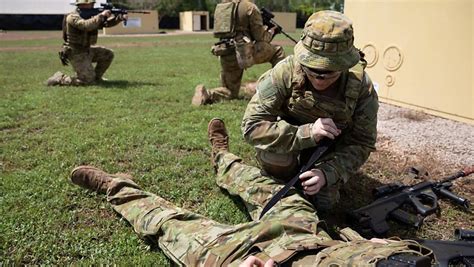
x,y
322,91
244,41
290,233
80,31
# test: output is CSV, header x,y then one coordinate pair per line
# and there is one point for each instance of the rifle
x,y
89,13
393,197
267,17
448,253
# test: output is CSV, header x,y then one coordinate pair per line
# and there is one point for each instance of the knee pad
x,y
280,166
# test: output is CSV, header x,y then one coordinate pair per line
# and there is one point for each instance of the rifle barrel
x,y
291,38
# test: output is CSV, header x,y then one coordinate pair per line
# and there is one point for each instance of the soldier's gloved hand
x,y
106,13
324,127
312,181
252,261
276,30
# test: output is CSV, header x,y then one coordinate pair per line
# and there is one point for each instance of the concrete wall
x,y
137,23
194,21
420,53
286,20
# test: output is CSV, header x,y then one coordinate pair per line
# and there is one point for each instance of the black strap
x,y
318,152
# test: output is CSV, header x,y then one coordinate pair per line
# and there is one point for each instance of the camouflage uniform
x,y
278,119
290,231
249,24
80,36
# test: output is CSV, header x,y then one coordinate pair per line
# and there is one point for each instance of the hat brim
x,y
325,61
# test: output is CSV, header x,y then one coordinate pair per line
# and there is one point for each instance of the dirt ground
x,y
29,35
42,35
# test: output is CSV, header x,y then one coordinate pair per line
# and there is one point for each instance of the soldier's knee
x,y
111,55
326,198
280,166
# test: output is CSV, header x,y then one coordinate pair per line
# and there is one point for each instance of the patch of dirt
x,y
412,139
29,35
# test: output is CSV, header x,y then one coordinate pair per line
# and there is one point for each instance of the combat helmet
x,y
79,2
327,42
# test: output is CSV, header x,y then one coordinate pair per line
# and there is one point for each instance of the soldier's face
x,y
321,79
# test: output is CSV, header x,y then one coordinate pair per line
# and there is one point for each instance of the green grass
x,y
140,122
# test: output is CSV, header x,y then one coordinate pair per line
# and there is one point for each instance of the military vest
x,y
225,19
306,106
317,251
77,38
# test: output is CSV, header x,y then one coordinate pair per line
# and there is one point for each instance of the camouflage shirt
x,y
250,22
279,117
82,33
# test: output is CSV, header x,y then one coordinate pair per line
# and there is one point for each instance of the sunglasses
x,y
320,74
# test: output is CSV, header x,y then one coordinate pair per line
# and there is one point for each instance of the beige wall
x,y
194,21
137,23
420,53
286,20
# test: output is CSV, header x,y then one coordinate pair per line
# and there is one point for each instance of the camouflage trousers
x,y
231,73
193,240
82,63
190,239
283,167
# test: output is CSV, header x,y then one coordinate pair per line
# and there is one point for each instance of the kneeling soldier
x,y
80,30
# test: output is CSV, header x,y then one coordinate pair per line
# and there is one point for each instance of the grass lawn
x,y
140,122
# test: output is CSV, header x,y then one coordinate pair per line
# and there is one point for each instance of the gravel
x,y
410,133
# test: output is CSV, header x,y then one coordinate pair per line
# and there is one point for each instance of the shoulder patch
x,y
358,71
265,88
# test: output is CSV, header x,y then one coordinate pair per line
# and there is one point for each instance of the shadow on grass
x,y
124,84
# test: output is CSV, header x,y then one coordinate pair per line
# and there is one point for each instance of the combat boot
x,y
55,79
201,96
94,179
218,138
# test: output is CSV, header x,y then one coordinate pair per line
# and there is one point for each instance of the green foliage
x,y
171,8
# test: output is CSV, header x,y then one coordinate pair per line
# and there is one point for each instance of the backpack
x,y
225,19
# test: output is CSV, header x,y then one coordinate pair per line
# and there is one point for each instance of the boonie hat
x,y
327,42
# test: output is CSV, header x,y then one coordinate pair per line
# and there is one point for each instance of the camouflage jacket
x,y
82,33
279,117
250,23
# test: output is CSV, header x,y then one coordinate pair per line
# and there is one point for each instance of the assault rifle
x,y
392,198
89,13
267,17
453,253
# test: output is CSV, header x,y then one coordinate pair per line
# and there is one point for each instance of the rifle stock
x,y
448,253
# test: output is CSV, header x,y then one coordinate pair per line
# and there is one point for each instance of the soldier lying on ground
x,y
290,233
80,36
322,91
